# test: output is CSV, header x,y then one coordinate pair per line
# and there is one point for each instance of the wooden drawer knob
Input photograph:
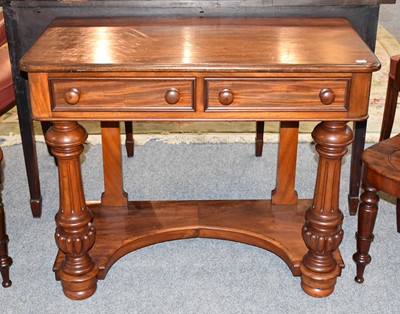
x,y
226,97
327,96
172,96
72,96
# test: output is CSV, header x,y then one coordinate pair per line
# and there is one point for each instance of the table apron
x,y
200,97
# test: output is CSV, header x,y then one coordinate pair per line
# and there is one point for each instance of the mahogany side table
x,y
199,69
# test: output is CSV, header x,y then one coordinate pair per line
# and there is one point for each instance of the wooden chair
x,y
381,172
6,103
392,95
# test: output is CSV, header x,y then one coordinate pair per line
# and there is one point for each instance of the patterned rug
x,y
386,46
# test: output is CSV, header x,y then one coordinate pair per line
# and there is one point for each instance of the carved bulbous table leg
x,y
366,222
75,235
5,260
322,231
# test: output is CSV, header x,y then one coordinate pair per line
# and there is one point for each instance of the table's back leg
x,y
284,192
129,140
114,194
259,137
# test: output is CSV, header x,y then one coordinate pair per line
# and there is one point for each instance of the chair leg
x,y
5,260
259,138
364,235
129,142
29,148
389,112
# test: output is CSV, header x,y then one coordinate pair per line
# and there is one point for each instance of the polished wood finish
x,y
381,173
75,235
256,95
64,38
366,221
27,19
145,223
284,192
114,194
278,54
134,94
203,65
322,231
5,260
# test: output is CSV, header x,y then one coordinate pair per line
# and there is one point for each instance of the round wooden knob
x,y
172,96
327,96
226,96
72,96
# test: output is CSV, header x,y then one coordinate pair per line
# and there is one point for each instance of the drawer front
x,y
122,94
277,94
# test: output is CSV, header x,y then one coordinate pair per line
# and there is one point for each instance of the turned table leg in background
x,y
322,231
75,234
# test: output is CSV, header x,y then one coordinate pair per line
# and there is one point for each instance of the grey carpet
x,y
196,275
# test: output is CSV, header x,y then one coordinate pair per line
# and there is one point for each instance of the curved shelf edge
x,y
241,236
121,230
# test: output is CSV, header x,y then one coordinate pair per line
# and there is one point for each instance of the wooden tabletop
x,y
206,44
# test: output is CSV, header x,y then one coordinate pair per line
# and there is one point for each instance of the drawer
x,y
122,94
277,94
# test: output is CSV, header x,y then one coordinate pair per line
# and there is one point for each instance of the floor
x,y
390,18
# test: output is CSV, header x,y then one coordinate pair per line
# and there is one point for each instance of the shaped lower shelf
x,y
121,230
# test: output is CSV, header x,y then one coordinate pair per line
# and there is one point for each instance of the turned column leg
x,y
322,231
75,234
5,260
364,235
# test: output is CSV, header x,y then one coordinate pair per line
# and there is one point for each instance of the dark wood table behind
x,y
26,20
